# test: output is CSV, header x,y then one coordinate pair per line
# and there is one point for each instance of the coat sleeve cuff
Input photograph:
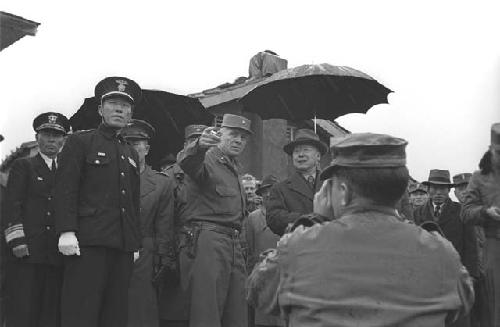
x,y
14,235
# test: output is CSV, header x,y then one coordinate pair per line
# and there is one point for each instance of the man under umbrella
x,y
482,207
211,259
293,197
157,214
362,268
97,202
34,267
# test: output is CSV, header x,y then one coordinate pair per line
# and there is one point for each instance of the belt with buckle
x,y
230,231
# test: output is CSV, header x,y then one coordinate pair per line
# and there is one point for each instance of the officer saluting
x,y
34,267
97,212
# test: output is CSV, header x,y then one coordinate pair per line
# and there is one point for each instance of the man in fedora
x,y
34,270
293,197
212,268
259,238
482,207
366,267
97,203
440,209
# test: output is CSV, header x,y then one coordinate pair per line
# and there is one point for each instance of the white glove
x,y
68,244
136,256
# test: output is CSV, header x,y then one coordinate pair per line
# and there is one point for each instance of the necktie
x,y
437,211
53,167
310,180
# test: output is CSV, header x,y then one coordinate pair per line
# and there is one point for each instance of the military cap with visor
x,y
460,179
121,87
138,130
495,136
193,131
417,187
366,150
306,136
438,177
51,121
235,121
267,183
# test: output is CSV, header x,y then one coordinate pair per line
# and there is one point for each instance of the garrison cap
x,y
367,150
193,130
438,177
461,178
51,120
495,136
235,121
138,130
118,87
306,136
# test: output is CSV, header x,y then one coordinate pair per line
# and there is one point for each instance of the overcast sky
x,y
442,59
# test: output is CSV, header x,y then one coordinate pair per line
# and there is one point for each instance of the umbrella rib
x,y
283,102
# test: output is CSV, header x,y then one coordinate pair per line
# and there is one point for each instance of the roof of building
x,y
13,28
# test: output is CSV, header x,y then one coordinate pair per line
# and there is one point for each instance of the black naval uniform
x,y
98,197
33,282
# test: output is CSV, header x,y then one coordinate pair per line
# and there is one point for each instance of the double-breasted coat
x,y
33,283
289,200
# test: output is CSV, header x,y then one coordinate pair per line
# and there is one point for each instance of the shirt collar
x,y
48,160
107,131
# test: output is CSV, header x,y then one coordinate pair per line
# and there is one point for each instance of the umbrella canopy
x,y
314,91
168,113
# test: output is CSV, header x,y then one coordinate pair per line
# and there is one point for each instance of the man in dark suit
x,y
293,197
97,197
34,268
440,209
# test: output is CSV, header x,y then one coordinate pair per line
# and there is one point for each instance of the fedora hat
x,y
267,182
306,136
438,177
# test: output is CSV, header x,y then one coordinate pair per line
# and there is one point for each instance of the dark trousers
x,y
95,288
32,294
213,281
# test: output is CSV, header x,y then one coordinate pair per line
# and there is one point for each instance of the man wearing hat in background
x,y
418,195
34,267
157,218
211,259
460,182
440,209
293,197
362,269
97,205
482,207
173,300
260,238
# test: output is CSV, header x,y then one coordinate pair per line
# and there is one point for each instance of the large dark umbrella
x,y
168,113
314,91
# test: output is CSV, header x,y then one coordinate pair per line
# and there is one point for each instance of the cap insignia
x,y
121,85
52,119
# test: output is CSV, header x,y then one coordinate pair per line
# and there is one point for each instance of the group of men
x,y
98,238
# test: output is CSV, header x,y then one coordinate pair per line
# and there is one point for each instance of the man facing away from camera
x,y
366,267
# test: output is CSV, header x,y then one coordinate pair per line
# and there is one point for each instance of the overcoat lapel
x,y
298,184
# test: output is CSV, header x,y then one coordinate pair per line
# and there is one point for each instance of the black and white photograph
x,y
249,164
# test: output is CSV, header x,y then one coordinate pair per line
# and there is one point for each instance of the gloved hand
x,y
21,251
68,244
136,255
